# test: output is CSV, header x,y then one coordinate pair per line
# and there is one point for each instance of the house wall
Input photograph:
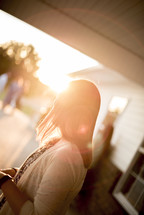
x,y
129,126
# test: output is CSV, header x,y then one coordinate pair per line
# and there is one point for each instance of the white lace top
x,y
51,178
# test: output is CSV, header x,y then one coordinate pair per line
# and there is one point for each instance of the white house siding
x,y
129,127
129,130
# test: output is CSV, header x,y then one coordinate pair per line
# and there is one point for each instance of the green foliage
x,y
27,110
19,59
2,95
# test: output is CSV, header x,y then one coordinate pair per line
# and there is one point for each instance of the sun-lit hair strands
x,y
48,126
73,116
81,100
45,125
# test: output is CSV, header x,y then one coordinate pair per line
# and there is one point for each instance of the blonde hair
x,y
74,112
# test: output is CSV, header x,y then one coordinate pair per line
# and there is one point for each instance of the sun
x,y
60,84
53,70
56,81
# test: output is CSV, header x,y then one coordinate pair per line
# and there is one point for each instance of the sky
x,y
57,58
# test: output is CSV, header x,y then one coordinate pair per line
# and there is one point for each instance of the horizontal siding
x,y
129,133
129,126
129,129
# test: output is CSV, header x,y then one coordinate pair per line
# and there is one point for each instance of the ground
x,y
17,135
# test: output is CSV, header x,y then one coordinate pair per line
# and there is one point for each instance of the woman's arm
x,y
14,196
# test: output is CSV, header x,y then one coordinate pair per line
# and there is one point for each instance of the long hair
x,y
74,113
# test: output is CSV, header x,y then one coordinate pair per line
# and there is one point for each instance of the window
x,y
118,104
129,191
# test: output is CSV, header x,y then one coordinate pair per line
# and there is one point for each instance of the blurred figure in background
x,y
15,90
24,89
3,80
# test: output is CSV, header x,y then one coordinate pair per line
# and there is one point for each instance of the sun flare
x,y
57,82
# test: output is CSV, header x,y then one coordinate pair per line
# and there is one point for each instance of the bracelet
x,y
4,179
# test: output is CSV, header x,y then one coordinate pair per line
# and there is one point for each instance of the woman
x,y
53,175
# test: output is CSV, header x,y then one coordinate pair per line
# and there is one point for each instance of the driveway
x,y
17,138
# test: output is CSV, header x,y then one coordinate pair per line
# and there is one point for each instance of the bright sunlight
x,y
56,81
57,58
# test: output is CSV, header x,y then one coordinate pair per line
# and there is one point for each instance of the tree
x,y
21,60
18,58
